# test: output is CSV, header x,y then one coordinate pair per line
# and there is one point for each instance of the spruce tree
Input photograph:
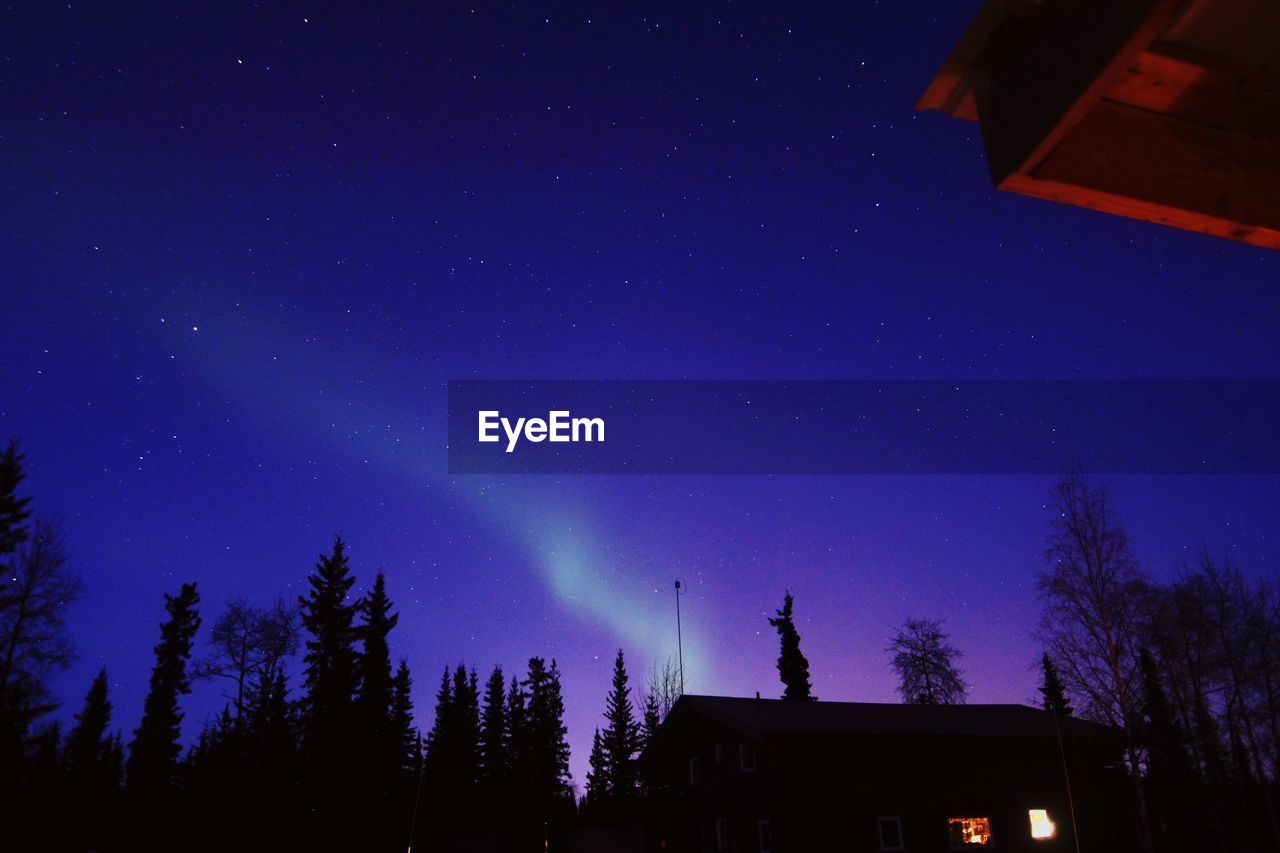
x,y
453,745
332,749
793,668
1052,690
494,767
153,754
373,667
466,733
438,735
621,736
408,740
93,770
649,724
547,749
271,726
651,720
517,738
88,748
381,754
330,663
13,509
597,773
439,759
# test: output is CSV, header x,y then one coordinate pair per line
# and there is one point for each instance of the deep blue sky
x,y
243,248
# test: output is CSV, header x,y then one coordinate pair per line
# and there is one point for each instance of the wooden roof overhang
x,y
1162,110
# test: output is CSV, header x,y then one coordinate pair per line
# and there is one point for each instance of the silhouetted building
x,y
773,776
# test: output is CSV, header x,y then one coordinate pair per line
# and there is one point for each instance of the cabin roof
x,y
768,717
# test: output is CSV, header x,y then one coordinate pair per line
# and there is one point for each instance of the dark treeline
x,y
1188,670
317,744
327,756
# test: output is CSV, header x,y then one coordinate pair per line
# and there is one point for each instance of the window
x,y
1042,829
764,833
722,834
966,831
746,758
695,771
890,833
719,753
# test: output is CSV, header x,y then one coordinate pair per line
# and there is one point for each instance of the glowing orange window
x,y
966,831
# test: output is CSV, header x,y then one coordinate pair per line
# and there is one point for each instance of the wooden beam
x,y
987,36
1132,162
1071,55
1201,89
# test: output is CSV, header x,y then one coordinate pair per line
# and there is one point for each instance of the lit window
x,y
969,830
746,758
695,771
764,833
1041,827
890,833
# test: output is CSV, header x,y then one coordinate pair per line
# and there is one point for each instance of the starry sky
x,y
243,248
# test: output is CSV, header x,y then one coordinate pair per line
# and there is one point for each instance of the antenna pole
x,y
1071,803
679,639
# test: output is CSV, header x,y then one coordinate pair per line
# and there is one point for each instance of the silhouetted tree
x,y
44,766
380,756
1160,732
330,681
153,754
650,721
597,773
272,726
793,668
1177,626
1242,639
517,737
38,587
453,745
88,749
925,663
466,700
408,738
546,748
14,719
13,509
1052,692
249,645
1094,592
94,769
439,737
620,738
494,736
664,685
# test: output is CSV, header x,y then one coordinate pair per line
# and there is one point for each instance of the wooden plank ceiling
x,y
1163,110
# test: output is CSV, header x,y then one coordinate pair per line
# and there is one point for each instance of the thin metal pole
x,y
679,639
1071,803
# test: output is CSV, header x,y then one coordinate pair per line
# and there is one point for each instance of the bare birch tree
x,y
1093,593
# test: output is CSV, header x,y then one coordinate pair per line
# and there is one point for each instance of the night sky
x,y
243,248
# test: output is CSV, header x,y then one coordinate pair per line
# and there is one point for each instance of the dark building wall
x,y
827,792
